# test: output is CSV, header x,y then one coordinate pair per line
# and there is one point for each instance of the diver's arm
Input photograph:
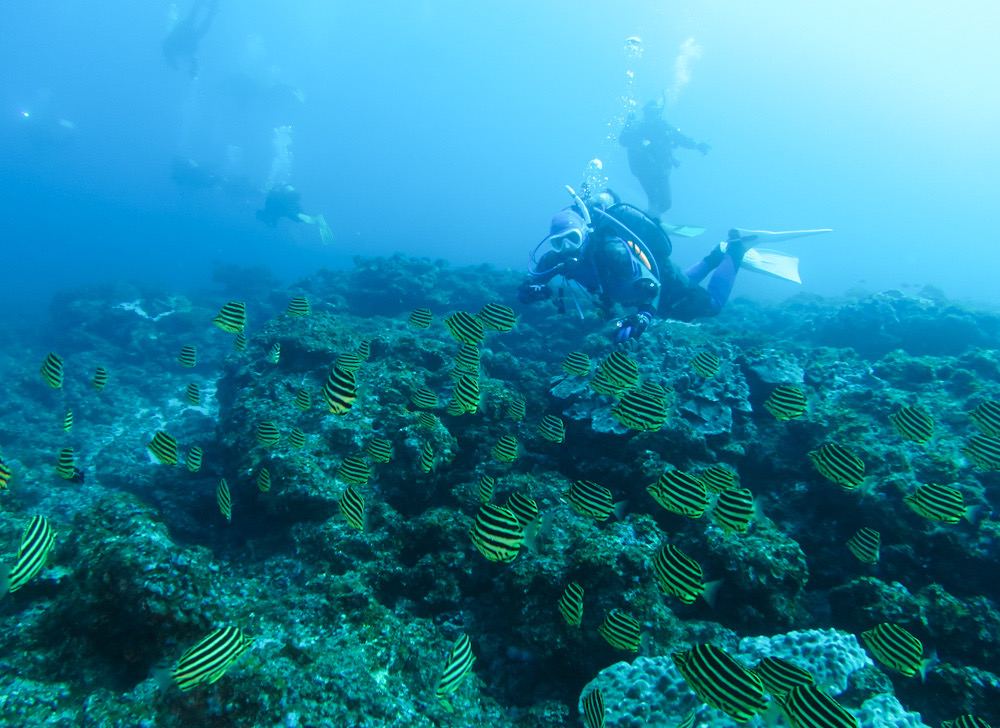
x,y
686,142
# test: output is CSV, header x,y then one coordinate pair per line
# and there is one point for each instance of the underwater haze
x,y
448,130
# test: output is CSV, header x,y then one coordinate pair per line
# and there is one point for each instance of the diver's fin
x,y
307,219
685,231
772,263
324,230
767,236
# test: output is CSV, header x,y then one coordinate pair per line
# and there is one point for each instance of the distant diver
x,y
285,201
650,144
180,47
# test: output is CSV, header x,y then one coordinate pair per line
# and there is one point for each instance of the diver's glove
x,y
632,327
533,293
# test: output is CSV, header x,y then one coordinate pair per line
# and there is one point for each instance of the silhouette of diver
x,y
284,201
181,44
651,143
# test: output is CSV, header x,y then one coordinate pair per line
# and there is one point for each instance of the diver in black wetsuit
x,y
285,201
181,44
650,144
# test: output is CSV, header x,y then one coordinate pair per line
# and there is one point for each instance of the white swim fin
x,y
685,231
772,263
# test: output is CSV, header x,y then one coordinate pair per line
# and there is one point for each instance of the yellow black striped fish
x,y
516,407
576,364
894,647
591,500
681,576
983,451
786,402
274,353
188,356
5,475
619,370
839,464
52,371
352,508
680,493
428,460
354,469
263,480
427,419
193,459
100,378
466,393
36,542
297,439
721,681
497,533
349,361
467,360
67,423
808,706
779,675
456,667
718,478
706,364
303,400
65,468
164,447
192,394
552,428
506,449
465,328
621,631
240,342
364,350
224,499
641,410
734,510
865,545
570,604
420,318
485,490
497,317
209,659
593,709
232,317
525,509
938,503
298,307
986,417
267,433
340,391
965,721
379,450
912,423
424,398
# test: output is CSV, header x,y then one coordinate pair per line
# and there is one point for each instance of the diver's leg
x,y
698,272
720,285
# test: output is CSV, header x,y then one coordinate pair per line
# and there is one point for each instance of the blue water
x,y
448,129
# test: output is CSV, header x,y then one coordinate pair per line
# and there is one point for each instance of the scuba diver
x,y
615,252
284,201
650,144
181,43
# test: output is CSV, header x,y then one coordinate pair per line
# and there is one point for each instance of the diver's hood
x,y
567,231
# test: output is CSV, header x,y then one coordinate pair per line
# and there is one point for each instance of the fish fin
x,y
772,713
163,678
977,514
620,509
711,591
927,664
446,705
531,535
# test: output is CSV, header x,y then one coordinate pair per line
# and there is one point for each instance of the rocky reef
x,y
353,626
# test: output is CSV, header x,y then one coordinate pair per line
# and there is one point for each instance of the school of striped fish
x,y
502,532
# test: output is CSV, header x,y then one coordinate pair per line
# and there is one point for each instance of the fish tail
x,y
163,678
711,591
